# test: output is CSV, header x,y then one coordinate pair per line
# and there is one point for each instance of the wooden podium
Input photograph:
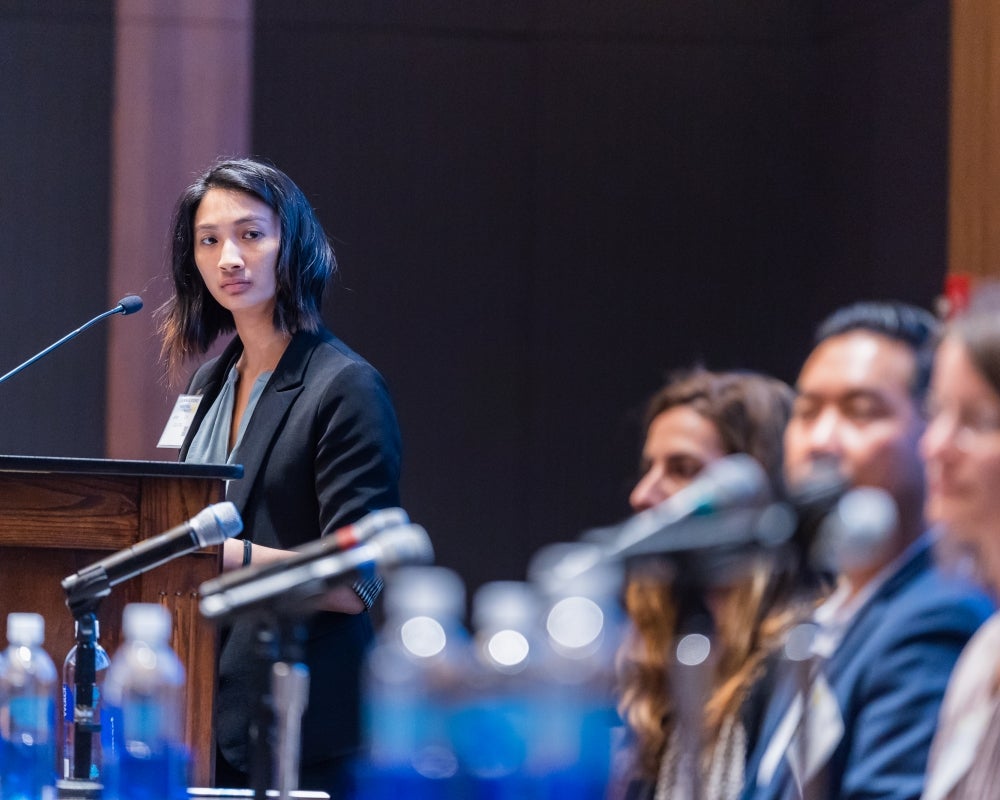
x,y
58,515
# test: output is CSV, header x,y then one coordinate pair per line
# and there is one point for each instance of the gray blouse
x,y
210,444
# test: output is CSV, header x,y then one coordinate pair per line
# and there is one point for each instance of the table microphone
x,y
210,526
297,590
127,305
342,539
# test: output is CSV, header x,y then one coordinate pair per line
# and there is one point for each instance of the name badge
x,y
180,421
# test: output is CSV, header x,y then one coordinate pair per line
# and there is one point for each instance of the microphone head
x,y
130,304
734,482
820,488
379,520
215,524
295,591
855,534
405,544
812,499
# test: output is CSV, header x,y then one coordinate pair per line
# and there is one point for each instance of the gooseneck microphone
x,y
127,305
342,539
855,535
212,525
296,590
732,490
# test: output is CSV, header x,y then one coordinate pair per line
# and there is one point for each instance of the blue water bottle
x,y
500,743
414,688
27,687
583,623
144,691
93,716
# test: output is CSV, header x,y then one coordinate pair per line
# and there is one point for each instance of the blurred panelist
x,y
695,419
962,451
889,635
308,418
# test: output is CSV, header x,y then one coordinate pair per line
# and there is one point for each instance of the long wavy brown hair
x,y
749,411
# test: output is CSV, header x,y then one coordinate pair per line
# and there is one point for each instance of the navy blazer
x,y
888,676
321,450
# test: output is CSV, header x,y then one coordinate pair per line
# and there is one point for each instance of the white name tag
x,y
180,420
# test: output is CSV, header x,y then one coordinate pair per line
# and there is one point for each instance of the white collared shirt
x,y
834,616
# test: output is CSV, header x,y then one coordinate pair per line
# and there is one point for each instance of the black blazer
x,y
321,450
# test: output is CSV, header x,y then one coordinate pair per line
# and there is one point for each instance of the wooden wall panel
x,y
182,98
974,183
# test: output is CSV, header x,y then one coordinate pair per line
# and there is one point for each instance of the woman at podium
x,y
308,418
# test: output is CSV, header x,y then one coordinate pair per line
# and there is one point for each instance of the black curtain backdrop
x,y
56,62
540,207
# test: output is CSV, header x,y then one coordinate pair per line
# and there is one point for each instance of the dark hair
x,y
913,326
749,410
191,319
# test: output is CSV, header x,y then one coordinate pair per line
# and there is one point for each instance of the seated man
x,y
893,629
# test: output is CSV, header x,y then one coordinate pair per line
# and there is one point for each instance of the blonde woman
x,y
962,451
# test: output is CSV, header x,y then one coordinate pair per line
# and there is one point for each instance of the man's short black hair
x,y
913,326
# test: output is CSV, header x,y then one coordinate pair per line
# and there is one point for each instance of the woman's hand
x,y
342,599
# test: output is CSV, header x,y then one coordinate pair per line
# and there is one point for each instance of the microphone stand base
x,y
73,789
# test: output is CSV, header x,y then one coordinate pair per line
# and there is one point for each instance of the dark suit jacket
x,y
888,676
321,450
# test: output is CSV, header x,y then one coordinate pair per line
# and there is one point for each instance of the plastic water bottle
x,y
145,691
414,686
583,622
94,717
28,687
511,701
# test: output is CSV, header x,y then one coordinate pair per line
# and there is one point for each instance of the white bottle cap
x,y
97,629
505,604
25,629
146,621
425,591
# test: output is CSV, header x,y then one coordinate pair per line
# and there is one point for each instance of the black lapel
x,y
280,392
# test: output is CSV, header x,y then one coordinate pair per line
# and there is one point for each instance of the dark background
x,y
56,75
540,208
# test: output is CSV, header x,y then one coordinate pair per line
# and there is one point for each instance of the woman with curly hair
x,y
695,419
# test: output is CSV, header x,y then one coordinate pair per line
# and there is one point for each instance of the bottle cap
x,y
146,621
425,591
505,604
97,628
25,629
575,568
